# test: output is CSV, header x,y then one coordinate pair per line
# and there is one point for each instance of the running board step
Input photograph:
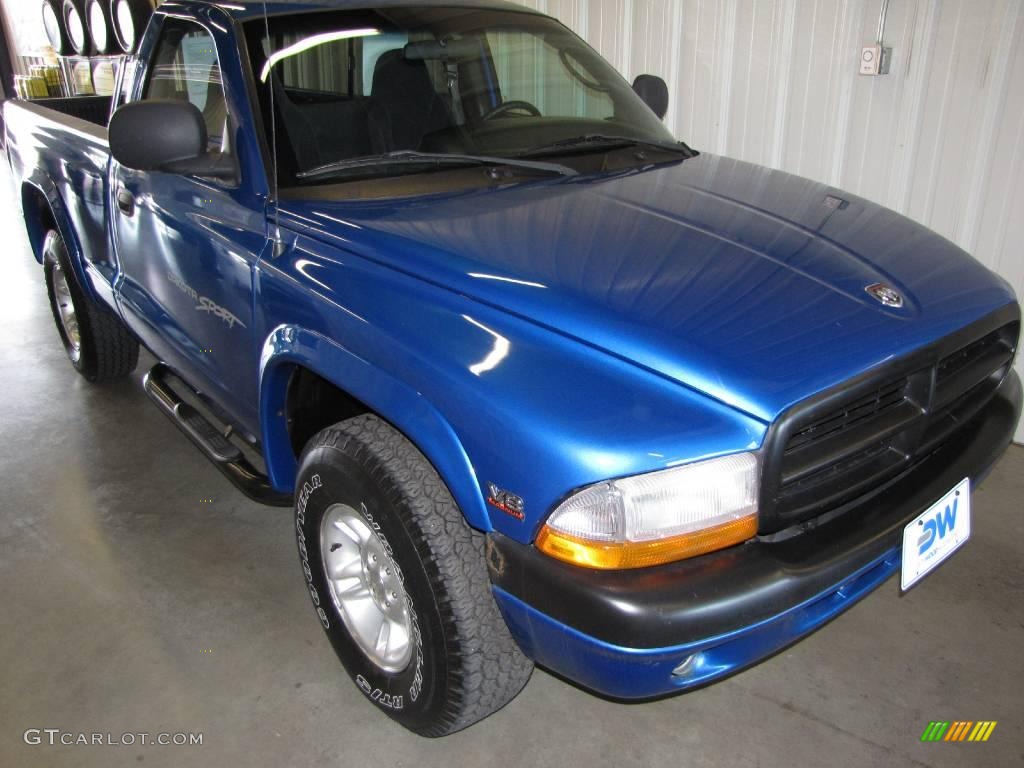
x,y
224,454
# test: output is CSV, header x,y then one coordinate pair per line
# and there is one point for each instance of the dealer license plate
x,y
936,534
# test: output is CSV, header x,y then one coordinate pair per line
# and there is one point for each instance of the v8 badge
x,y
507,502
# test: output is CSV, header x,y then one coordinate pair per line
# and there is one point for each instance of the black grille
x,y
838,446
963,359
849,415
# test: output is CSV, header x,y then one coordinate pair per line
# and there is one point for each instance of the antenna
x,y
275,235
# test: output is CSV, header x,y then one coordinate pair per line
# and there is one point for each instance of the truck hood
x,y
741,282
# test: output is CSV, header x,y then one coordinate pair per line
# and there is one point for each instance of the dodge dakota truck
x,y
542,384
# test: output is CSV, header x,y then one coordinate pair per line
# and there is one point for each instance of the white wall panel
x,y
940,138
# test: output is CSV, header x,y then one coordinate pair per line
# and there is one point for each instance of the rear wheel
x,y
399,582
96,341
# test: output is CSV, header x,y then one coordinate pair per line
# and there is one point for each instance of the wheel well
x,y
313,403
39,218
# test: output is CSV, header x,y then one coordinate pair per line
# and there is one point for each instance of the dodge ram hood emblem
x,y
885,294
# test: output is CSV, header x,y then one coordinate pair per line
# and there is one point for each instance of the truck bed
x,y
92,109
59,148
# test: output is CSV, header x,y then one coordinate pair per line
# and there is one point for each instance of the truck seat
x,y
404,105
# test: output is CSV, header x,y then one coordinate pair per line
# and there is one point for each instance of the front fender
x,y
289,346
488,397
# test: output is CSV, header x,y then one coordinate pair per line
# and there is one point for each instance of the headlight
x,y
658,517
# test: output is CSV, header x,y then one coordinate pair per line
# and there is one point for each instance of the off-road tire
x,y
107,349
465,664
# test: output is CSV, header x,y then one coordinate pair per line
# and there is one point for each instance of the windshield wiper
x,y
598,141
411,158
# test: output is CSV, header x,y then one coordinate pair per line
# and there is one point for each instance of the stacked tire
x,y
87,27
101,26
55,27
129,19
74,15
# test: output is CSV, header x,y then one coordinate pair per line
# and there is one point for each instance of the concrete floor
x,y
128,604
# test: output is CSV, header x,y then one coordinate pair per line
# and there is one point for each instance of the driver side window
x,y
557,82
186,68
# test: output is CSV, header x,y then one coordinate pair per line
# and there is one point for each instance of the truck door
x,y
188,246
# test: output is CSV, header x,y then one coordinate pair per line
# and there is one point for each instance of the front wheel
x,y
96,341
399,582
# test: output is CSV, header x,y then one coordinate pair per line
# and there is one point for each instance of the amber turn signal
x,y
642,554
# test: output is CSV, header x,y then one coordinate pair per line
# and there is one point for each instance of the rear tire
x,y
446,660
96,341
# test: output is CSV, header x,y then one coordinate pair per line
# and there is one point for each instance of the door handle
x,y
126,202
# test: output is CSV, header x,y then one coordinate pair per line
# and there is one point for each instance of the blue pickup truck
x,y
541,383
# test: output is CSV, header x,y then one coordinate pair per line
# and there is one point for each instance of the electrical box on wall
x,y
874,60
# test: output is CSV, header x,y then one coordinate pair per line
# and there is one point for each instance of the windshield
x,y
455,81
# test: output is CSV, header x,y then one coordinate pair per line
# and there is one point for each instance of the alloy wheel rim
x,y
66,312
366,588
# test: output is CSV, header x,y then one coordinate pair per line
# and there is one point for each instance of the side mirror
x,y
654,92
164,135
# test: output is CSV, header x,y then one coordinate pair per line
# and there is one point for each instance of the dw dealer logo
x,y
958,730
942,522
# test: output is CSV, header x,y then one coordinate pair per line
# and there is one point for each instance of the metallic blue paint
x,y
192,241
254,10
540,336
65,165
558,332
637,673
735,280
586,418
289,347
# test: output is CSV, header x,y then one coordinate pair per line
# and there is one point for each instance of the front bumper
x,y
644,633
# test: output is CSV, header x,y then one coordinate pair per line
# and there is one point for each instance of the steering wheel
x,y
512,106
